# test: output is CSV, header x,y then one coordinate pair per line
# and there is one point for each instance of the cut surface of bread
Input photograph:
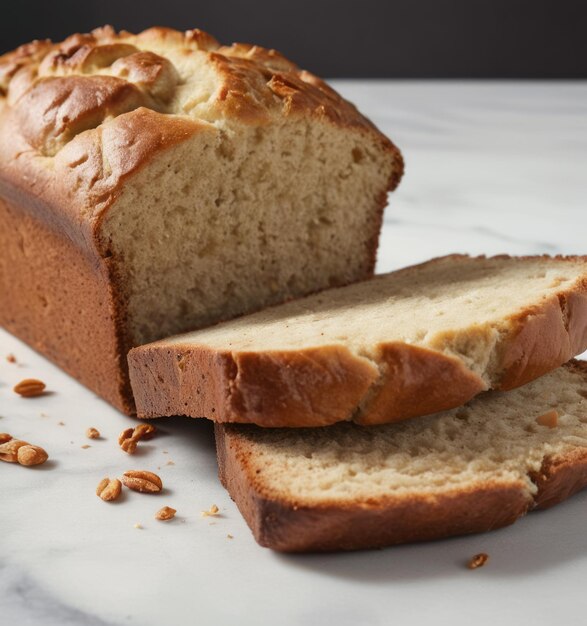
x,y
471,469
186,181
409,343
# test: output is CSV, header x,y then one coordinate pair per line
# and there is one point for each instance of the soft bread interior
x,y
496,439
244,217
457,304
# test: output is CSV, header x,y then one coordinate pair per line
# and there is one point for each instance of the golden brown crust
x,y
253,83
417,381
413,380
307,388
544,337
295,526
80,117
60,301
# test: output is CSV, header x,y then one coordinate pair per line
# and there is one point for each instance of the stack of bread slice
x,y
436,400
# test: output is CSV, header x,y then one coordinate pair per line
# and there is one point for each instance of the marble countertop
x,y
490,168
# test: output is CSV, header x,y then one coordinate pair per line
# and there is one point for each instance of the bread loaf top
x,y
77,117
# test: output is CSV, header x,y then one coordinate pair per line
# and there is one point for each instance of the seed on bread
x,y
548,419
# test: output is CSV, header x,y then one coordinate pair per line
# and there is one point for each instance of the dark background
x,y
349,38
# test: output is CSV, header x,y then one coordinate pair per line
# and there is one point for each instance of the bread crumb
x,y
43,414
61,423
166,513
479,560
213,510
11,358
549,419
229,536
86,446
139,526
165,452
170,463
92,433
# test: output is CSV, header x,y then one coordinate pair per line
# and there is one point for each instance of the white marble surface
x,y
491,168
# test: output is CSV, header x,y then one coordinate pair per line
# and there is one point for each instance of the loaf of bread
x,y
160,182
472,469
413,342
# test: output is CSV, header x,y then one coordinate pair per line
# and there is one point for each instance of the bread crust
x,y
417,381
78,119
412,380
293,526
62,303
307,388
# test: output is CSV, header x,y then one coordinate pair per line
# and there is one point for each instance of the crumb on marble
x,y
212,511
479,560
11,358
86,446
139,526
165,514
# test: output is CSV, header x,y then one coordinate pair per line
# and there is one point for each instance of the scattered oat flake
x,y
213,510
86,446
139,526
479,560
11,358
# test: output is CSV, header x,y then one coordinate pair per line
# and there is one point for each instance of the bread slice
x,y
160,182
413,342
468,470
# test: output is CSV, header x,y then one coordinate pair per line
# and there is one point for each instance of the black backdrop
x,y
352,38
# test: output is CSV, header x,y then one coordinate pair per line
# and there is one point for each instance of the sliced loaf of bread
x,y
468,470
414,342
155,183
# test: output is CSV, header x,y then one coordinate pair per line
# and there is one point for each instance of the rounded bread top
x,y
59,90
